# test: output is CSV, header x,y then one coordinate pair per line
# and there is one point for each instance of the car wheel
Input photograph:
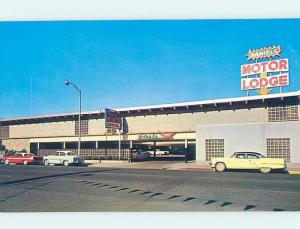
x,y
66,163
46,162
6,162
24,162
265,170
220,167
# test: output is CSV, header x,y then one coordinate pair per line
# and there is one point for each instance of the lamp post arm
x,y
77,88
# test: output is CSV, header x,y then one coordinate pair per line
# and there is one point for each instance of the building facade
x,y
269,124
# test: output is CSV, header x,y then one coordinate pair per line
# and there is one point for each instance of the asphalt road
x,y
55,188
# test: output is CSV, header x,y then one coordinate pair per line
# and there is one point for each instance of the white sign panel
x,y
281,65
265,82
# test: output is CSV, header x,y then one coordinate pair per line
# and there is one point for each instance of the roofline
x,y
214,101
51,115
162,106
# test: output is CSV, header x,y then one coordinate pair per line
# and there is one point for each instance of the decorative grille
x,y
283,113
84,127
214,148
279,148
4,131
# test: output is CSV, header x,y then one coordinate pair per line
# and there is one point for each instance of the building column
x,y
154,150
186,150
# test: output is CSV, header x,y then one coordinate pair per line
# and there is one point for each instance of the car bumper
x,y
77,162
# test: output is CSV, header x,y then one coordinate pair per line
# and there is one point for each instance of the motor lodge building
x,y
214,128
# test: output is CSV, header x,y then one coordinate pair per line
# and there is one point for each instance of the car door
x,y
239,161
63,157
17,158
254,161
54,159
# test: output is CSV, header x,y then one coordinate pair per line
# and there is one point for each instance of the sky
x,y
121,64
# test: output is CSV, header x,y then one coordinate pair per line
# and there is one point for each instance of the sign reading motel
x,y
266,74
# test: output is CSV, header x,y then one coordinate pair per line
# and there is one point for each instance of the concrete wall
x,y
97,127
16,144
42,129
185,122
248,137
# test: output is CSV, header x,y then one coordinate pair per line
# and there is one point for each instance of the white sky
x,y
146,9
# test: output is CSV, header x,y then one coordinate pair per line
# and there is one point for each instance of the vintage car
x,y
63,158
22,158
248,160
140,155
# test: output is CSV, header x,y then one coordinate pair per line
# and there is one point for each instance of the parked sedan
x,y
22,158
248,160
63,158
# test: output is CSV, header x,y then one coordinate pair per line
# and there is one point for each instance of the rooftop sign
x,y
263,53
263,75
112,119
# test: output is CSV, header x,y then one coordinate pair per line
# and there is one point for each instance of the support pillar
x,y
186,151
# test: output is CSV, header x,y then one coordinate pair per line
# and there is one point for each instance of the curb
x,y
294,172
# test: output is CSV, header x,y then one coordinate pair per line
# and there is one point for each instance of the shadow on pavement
x,y
255,171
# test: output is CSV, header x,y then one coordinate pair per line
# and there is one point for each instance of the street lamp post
x,y
79,116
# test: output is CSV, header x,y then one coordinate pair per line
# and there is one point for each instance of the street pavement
x,y
35,188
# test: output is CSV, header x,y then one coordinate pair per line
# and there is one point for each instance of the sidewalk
x,y
293,168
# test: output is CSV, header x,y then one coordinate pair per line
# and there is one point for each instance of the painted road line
x,y
294,172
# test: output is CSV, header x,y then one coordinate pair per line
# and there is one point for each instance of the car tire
x,y
66,163
220,167
265,170
6,162
25,162
46,162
